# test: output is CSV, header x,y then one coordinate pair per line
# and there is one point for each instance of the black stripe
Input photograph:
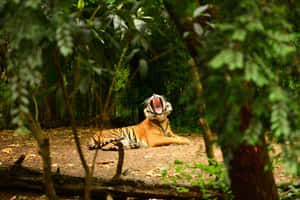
x,y
134,135
130,134
126,133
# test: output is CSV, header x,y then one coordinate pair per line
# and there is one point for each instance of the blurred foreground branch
x,y
29,179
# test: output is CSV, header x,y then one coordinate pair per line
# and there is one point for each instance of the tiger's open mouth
x,y
157,105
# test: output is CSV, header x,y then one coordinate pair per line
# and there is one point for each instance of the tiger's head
x,y
157,107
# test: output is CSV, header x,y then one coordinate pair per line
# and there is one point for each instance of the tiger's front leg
x,y
110,147
179,137
126,144
159,140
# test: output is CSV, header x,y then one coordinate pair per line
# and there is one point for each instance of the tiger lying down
x,y
154,131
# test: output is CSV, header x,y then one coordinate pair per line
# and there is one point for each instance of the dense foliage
x,y
102,46
255,66
114,54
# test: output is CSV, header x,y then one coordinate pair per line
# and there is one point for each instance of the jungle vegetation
x,y
93,63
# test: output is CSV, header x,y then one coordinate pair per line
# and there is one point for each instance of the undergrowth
x,y
289,191
208,178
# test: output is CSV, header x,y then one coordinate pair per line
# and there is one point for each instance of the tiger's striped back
x,y
107,139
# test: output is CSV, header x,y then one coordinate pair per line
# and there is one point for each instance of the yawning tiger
x,y
154,131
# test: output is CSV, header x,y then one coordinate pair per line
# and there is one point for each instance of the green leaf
x,y
292,168
139,24
286,49
80,4
34,4
280,36
266,69
198,29
22,130
24,109
279,119
132,53
237,62
261,79
234,59
65,51
198,11
64,39
277,94
179,168
16,120
178,162
253,133
119,23
224,57
253,72
245,18
226,26
16,1
255,26
122,78
164,172
84,85
140,12
15,95
182,189
97,70
24,100
239,34
143,67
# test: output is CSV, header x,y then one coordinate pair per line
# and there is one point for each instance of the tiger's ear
x,y
169,107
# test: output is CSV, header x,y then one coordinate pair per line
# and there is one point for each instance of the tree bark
x,y
120,160
208,138
249,178
44,151
191,42
250,171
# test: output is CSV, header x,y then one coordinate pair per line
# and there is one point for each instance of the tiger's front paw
x,y
92,144
185,140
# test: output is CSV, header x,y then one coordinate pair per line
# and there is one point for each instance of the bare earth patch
x,y
142,163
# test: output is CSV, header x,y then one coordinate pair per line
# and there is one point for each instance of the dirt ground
x,y
144,163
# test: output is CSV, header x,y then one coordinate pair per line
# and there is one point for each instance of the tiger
x,y
153,131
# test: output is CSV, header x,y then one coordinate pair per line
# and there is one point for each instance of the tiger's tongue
x,y
157,105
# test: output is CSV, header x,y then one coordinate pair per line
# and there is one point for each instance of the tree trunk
x,y
45,109
44,151
208,138
250,176
191,42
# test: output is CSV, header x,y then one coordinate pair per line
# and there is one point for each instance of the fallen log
x,y
23,178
